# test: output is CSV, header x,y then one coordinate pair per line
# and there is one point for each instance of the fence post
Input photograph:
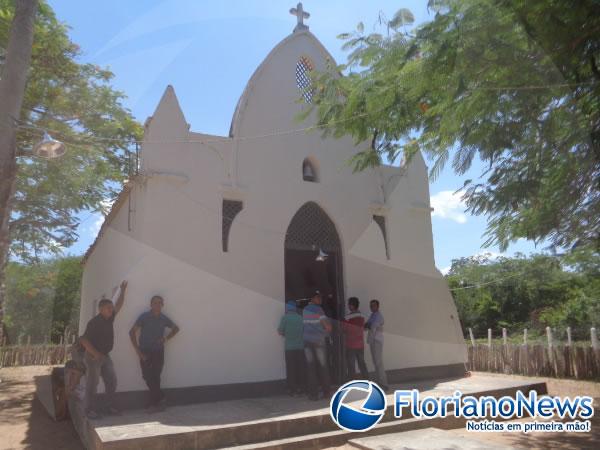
x,y
549,336
569,340
504,336
489,337
28,341
594,337
472,337
525,336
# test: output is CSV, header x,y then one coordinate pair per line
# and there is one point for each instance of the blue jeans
x,y
94,370
316,365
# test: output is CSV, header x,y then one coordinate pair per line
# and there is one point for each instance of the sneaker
x,y
152,409
112,411
93,415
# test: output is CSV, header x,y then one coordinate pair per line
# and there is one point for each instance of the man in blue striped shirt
x,y
316,328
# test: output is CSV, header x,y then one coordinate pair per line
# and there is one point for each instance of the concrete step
x,y
339,437
425,439
271,423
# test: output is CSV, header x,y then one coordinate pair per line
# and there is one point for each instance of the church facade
x,y
226,228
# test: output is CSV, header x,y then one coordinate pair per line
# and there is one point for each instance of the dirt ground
x,y
24,424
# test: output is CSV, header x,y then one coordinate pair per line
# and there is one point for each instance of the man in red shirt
x,y
355,341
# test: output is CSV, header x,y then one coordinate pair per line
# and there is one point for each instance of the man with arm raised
x,y
98,341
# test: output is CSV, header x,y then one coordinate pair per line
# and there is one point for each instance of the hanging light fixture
x,y
322,256
49,147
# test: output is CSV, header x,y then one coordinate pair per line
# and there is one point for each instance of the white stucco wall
x,y
228,304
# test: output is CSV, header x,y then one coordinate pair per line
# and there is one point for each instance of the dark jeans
x,y
353,356
316,364
96,369
294,369
151,370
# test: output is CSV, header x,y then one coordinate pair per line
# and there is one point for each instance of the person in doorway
x,y
98,341
355,340
290,327
316,327
375,341
150,348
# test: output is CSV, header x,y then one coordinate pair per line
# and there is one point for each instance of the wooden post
x,y
569,340
28,341
489,337
504,336
549,336
525,336
472,337
594,337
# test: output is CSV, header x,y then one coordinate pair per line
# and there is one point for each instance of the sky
x,y
208,50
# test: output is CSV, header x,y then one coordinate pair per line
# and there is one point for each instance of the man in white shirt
x,y
375,341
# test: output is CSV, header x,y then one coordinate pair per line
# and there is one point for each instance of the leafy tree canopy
x,y
514,83
75,102
42,300
532,292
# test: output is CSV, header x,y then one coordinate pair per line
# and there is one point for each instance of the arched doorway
x,y
311,231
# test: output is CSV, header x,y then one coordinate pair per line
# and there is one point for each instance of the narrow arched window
x,y
303,69
231,208
309,171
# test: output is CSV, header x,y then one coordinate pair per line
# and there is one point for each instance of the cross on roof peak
x,y
300,14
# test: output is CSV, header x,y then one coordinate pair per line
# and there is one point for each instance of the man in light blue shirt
x,y
375,341
316,327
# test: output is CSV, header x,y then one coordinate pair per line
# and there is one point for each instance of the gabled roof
x,y
248,89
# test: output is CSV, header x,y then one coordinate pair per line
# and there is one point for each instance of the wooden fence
x,y
35,354
564,360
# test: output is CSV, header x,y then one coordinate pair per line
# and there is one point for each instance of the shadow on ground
x,y
24,423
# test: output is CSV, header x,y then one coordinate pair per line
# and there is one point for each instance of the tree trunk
x,y
12,89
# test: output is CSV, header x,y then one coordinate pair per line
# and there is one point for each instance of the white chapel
x,y
226,228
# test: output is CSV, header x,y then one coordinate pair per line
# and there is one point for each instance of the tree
x,y
513,83
67,292
534,292
76,104
42,299
12,87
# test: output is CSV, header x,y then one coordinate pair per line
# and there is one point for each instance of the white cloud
x,y
97,224
445,270
99,216
449,205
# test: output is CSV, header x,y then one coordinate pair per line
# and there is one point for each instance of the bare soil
x,y
24,423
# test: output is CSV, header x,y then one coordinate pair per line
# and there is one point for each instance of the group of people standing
x,y
306,331
92,356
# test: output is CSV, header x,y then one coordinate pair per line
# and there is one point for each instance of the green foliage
x,y
42,300
527,292
513,83
75,102
65,312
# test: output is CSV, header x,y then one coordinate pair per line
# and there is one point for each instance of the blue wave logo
x,y
352,417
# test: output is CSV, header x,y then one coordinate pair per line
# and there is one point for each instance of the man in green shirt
x,y
290,327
